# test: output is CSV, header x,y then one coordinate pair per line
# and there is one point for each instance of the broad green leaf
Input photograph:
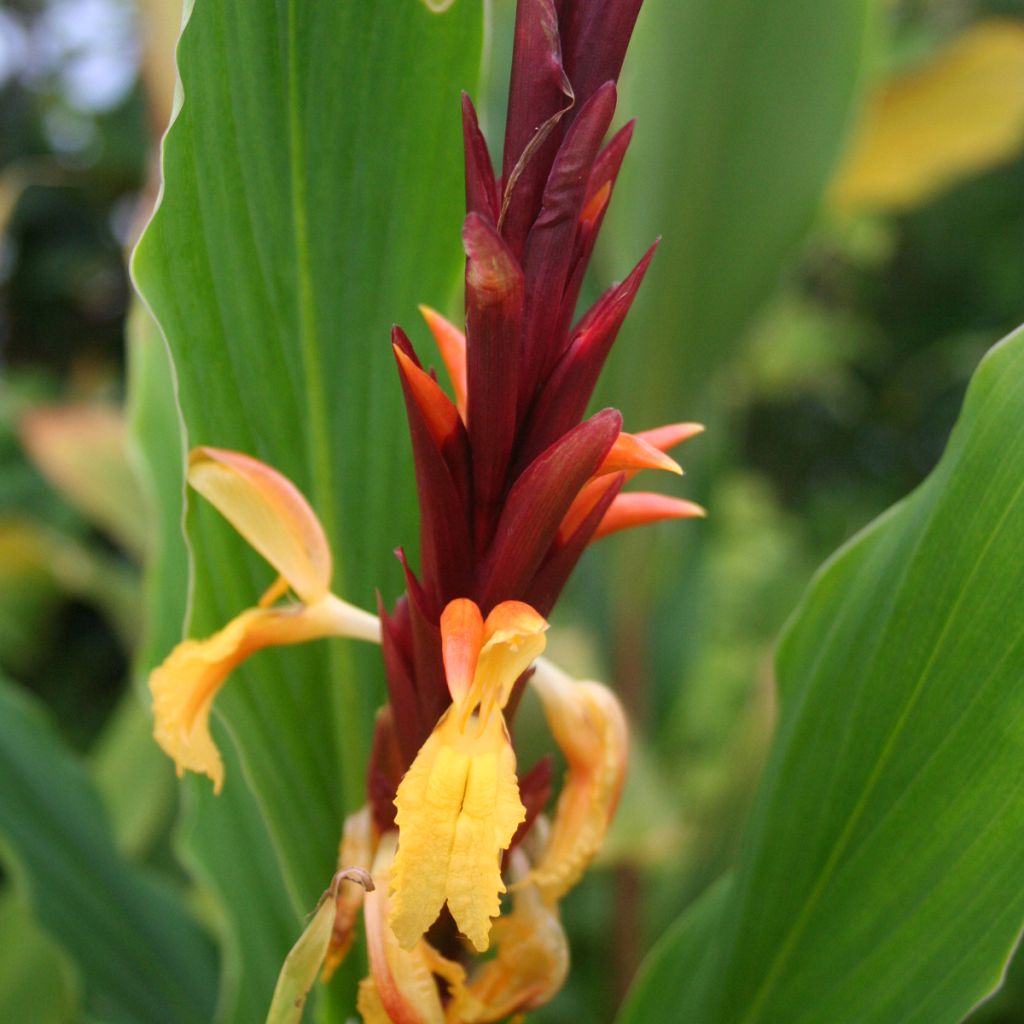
x,y
157,453
312,197
255,932
225,845
879,879
140,953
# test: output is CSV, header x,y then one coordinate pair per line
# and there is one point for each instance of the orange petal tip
x,y
269,511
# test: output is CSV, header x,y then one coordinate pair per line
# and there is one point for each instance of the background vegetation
x,y
823,325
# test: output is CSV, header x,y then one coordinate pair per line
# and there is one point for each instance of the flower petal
x,y
451,343
589,726
184,686
513,638
269,512
462,636
458,807
671,434
638,508
401,988
632,452
531,964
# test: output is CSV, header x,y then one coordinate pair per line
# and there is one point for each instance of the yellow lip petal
x,y
184,686
458,808
269,512
484,658
589,725
513,639
401,988
531,964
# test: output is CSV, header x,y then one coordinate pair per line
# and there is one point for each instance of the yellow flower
x,y
271,514
458,804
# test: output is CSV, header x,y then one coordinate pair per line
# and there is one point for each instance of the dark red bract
x,y
496,483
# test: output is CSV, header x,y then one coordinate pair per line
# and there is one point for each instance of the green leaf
x,y
139,813
157,452
140,953
742,110
312,197
255,933
879,878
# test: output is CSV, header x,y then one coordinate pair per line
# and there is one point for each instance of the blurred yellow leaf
x,y
925,129
39,566
80,449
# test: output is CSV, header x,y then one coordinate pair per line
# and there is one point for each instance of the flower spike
x,y
513,484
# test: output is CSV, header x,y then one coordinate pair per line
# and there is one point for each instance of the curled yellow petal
x,y
401,988
957,115
184,686
269,512
531,963
458,807
589,725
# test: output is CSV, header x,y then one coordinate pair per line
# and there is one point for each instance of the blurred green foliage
x,y
834,399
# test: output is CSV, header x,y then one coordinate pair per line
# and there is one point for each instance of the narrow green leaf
x,y
141,955
37,982
880,875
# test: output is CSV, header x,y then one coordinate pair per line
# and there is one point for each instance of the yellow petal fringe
x,y
401,988
458,808
531,964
